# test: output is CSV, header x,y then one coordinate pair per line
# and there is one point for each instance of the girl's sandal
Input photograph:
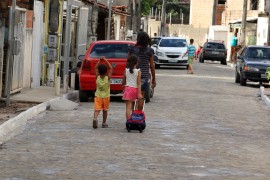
x,y
95,123
105,126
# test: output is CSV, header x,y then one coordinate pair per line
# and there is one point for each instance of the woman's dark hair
x,y
143,39
132,61
102,69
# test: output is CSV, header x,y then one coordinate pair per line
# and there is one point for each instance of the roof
x,y
219,28
257,46
240,20
121,10
114,42
173,38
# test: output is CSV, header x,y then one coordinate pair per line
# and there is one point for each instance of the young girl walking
x,y
102,95
131,84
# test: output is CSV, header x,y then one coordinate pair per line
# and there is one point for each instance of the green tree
x,y
147,5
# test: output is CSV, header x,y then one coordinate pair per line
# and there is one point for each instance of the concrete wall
x,y
27,59
188,32
2,32
199,34
153,27
234,10
262,30
201,13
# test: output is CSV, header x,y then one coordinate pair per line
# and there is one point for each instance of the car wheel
x,y
243,81
237,77
147,95
223,61
83,96
157,66
202,60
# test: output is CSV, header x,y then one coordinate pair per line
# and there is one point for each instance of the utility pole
x,y
244,24
214,12
11,51
163,18
109,19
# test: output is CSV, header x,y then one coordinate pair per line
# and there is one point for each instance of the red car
x,y
116,53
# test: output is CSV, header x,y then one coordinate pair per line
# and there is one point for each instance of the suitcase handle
x,y
136,103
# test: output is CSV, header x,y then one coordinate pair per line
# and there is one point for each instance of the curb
x,y
264,97
7,129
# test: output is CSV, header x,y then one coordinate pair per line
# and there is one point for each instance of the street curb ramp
x,y
12,127
264,97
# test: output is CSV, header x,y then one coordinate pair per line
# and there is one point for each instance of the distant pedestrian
x,y
234,42
131,84
145,56
191,54
103,71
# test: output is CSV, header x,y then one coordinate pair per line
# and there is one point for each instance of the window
x,y
110,51
215,46
173,43
258,53
254,4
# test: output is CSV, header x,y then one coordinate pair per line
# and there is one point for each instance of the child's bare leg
x,y
128,108
96,113
191,68
105,115
95,122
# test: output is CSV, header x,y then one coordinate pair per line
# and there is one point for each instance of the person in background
x,y
233,48
197,52
145,55
131,84
191,54
102,95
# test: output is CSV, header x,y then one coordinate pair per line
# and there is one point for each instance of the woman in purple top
x,y
145,55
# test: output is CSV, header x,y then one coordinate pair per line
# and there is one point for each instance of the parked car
x,y
214,51
169,51
116,53
154,42
75,70
252,64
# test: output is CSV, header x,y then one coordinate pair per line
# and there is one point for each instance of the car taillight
x,y
86,65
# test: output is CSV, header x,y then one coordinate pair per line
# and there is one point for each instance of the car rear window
x,y
173,43
259,53
215,46
110,51
155,40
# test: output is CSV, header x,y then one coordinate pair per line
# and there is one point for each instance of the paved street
x,y
200,126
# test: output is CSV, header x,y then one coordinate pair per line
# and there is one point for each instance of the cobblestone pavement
x,y
200,126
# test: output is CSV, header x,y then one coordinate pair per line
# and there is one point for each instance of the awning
x,y
240,20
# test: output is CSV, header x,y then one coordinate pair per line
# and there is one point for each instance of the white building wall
x,y
27,59
117,21
262,30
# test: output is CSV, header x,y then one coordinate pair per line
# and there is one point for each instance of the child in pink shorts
x,y
131,84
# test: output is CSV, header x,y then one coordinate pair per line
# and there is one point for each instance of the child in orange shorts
x,y
102,96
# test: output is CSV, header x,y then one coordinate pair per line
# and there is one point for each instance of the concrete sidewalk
x,y
44,95
40,94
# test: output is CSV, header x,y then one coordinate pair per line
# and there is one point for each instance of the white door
x,y
82,25
37,51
